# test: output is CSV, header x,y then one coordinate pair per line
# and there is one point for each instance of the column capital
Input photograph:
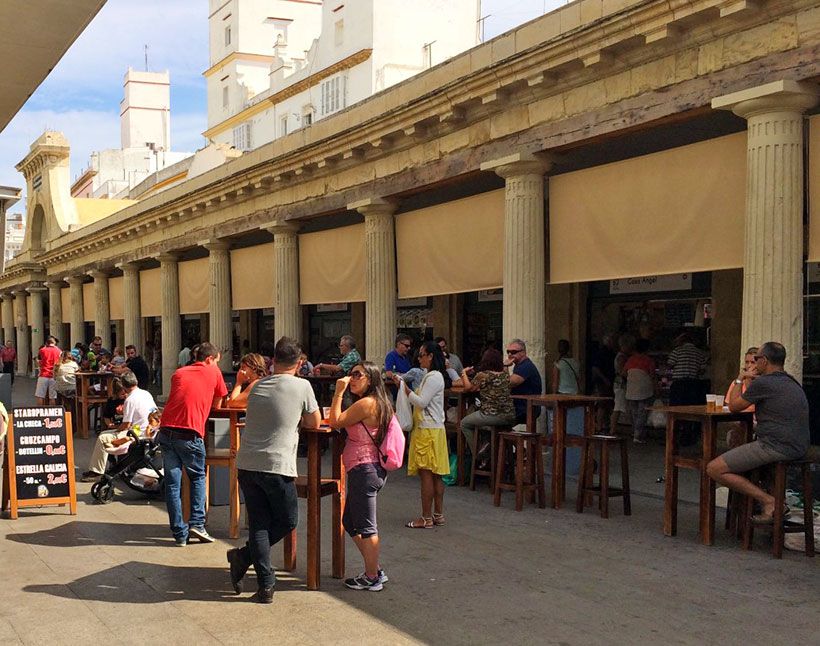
x,y
131,265
374,206
37,287
98,274
74,280
281,227
778,96
20,292
520,164
7,296
216,244
168,257
56,283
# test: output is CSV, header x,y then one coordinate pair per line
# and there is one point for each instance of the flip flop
x,y
438,519
426,523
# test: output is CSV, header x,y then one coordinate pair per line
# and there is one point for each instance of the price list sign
x,y
39,465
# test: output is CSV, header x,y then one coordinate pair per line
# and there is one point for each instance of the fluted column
x,y
219,301
23,339
8,317
102,307
77,318
524,252
38,336
55,313
288,311
380,276
132,318
171,327
773,252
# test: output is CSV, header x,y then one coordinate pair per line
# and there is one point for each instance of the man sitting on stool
x,y
782,413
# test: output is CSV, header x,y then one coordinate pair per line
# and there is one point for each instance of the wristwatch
x,y
739,382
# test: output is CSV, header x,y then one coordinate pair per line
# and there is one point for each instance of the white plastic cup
x,y
325,412
710,402
718,402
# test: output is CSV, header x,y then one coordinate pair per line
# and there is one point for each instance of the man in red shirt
x,y
195,389
49,356
8,355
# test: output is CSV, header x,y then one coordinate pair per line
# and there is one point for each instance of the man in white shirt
x,y
138,405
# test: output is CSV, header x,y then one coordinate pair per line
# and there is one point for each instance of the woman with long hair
x,y
252,368
428,456
366,422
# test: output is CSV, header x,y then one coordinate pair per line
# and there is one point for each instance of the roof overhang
x,y
33,38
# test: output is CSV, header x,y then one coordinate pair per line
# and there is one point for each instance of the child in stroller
x,y
136,464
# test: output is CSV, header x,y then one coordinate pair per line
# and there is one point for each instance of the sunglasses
x,y
407,345
357,375
512,352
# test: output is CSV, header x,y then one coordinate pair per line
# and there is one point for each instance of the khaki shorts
x,y
45,388
751,456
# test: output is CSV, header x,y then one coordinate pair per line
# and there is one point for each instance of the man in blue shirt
x,y
525,379
396,361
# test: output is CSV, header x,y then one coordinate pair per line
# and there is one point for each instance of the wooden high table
x,y
561,404
708,420
223,457
87,398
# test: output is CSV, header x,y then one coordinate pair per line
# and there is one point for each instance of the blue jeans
x,y
177,452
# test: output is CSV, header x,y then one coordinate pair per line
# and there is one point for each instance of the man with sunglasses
x,y
782,413
396,361
525,378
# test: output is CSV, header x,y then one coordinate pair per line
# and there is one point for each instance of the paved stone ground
x,y
491,575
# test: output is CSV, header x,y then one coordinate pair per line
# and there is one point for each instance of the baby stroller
x,y
136,466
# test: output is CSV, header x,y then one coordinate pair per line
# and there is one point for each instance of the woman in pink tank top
x,y
366,423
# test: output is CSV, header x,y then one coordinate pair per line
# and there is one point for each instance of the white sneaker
x,y
200,533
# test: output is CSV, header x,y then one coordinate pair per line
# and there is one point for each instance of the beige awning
x,y
65,302
814,189
332,266
451,248
253,284
88,302
150,296
115,297
676,211
193,286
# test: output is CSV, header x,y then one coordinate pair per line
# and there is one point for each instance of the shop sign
x,y
664,283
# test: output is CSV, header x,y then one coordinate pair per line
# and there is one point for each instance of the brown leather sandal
x,y
420,523
438,519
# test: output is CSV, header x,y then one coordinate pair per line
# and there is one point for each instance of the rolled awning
x,y
675,211
193,286
115,306
451,248
253,283
150,297
332,266
88,302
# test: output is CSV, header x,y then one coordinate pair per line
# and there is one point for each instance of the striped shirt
x,y
686,362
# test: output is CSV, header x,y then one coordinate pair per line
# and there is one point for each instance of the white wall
x,y
145,109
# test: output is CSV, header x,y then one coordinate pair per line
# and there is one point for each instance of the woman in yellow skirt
x,y
428,442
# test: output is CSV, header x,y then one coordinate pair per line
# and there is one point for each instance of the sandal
x,y
438,519
420,523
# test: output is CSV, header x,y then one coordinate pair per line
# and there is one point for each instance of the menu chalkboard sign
x,y
39,464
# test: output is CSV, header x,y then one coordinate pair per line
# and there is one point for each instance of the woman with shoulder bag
x,y
366,422
565,379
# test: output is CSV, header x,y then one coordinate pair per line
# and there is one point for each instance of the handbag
x,y
404,411
391,450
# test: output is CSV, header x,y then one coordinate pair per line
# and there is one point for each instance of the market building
x,y
635,165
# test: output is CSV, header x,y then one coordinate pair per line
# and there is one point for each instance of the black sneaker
x,y
361,582
238,569
263,595
201,533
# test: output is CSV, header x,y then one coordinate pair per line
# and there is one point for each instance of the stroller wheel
x,y
103,491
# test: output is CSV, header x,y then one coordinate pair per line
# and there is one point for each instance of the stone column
x,y
77,318
773,254
288,315
23,339
8,317
102,309
55,313
171,327
524,252
132,319
38,336
380,276
220,319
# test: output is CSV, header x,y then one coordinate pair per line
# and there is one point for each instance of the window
x,y
283,126
225,96
334,94
242,137
227,35
307,116
339,33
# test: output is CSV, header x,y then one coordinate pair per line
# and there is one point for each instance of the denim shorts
x,y
363,484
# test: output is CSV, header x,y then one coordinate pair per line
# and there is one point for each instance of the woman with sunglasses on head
x,y
366,422
428,456
252,368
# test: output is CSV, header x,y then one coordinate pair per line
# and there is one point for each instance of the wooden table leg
x,y
670,498
82,427
707,485
559,429
338,507
314,513
235,507
289,555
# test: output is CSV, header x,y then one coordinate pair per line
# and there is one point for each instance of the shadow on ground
x,y
80,532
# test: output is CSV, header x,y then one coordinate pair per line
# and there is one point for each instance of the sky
x,y
81,96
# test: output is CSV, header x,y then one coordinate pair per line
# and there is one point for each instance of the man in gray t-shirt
x,y
277,407
782,413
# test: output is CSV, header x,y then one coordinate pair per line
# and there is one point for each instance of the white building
x,y
145,140
279,65
15,234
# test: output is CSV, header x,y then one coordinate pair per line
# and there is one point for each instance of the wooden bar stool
x,y
488,473
529,468
781,526
586,479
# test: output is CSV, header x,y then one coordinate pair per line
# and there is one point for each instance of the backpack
x,y
391,450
